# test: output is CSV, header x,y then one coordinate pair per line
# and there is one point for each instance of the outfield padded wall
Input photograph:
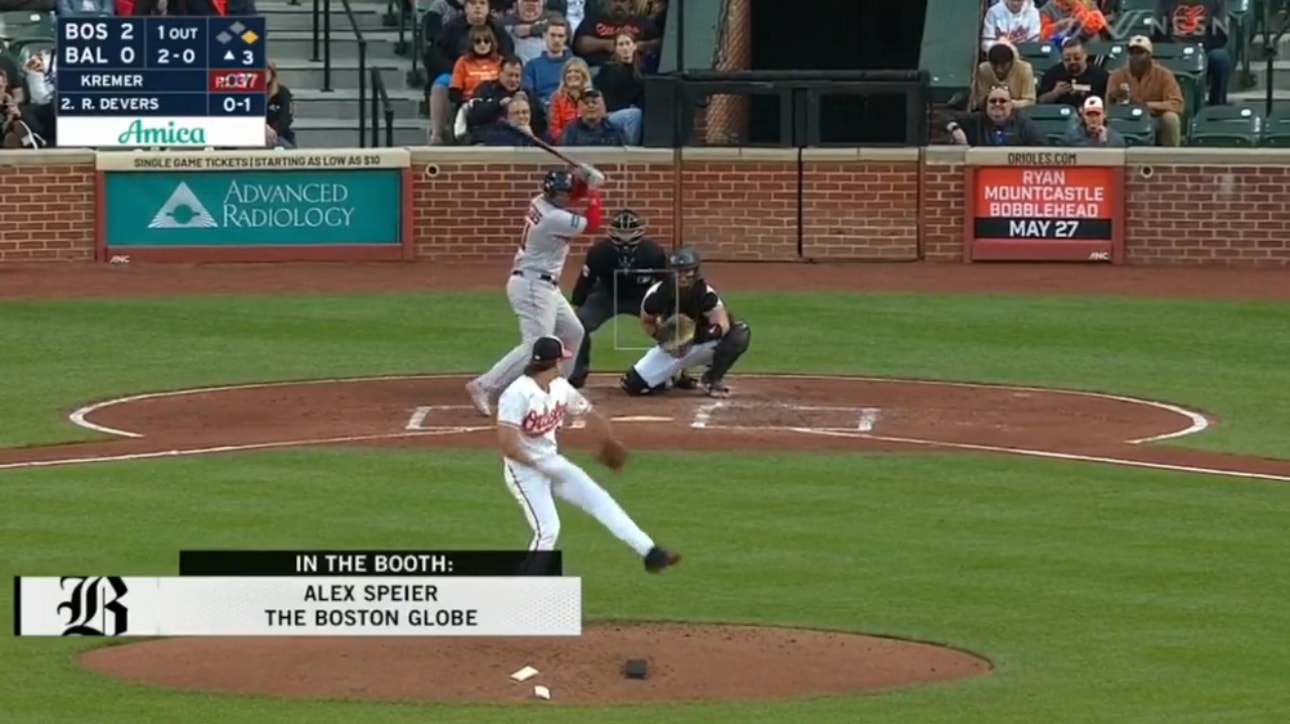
x,y
1185,205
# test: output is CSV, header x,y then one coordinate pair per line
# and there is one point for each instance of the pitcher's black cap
x,y
549,349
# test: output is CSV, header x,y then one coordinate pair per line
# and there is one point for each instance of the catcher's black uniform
x,y
695,300
615,276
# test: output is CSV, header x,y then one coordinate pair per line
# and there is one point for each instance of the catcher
x,y
693,329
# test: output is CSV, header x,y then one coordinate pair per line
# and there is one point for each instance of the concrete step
x,y
1280,74
284,18
299,44
343,133
303,74
343,102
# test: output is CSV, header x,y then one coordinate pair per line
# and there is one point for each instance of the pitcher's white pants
x,y
542,311
659,366
533,490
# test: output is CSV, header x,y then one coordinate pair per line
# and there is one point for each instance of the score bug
x,y
95,54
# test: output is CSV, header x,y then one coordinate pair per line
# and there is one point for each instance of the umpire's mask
x,y
626,228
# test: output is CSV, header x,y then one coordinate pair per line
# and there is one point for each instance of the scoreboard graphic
x,y
168,82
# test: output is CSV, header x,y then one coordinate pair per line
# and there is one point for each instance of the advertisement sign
x,y
1045,212
255,208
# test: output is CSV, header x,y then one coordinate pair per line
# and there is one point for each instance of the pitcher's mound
x,y
686,662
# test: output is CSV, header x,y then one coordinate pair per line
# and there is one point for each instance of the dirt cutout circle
x,y
686,662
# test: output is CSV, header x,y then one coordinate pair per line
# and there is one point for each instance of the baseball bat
x,y
550,149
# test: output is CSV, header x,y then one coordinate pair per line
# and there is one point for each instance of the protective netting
x,y
727,115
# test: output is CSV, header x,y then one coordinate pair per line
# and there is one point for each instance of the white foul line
x,y
868,418
236,448
703,413
1046,454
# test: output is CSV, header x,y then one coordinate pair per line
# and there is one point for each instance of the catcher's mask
x,y
626,229
558,184
684,262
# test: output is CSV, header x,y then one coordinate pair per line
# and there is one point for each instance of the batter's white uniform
x,y
534,289
538,414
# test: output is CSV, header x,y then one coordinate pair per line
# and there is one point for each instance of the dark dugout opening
x,y
820,35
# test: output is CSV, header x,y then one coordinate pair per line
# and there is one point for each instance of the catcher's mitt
x,y
612,454
677,332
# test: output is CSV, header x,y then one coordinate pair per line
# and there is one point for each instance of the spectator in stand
x,y
1204,22
180,8
1145,82
1002,66
491,99
576,79
594,40
38,112
82,8
450,43
516,112
1016,21
1093,130
481,64
280,112
527,28
1062,19
542,75
12,129
998,125
1074,80
623,88
592,127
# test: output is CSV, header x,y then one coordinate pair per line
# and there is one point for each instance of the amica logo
x,y
171,135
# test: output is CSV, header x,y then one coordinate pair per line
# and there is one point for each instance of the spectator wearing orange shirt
x,y
480,64
565,101
1061,19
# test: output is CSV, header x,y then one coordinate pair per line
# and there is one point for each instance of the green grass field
x,y
1102,594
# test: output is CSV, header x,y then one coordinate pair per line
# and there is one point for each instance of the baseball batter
x,y
529,412
719,342
534,287
617,272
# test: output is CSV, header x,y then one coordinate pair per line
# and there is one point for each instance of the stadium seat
x,y
1227,126
1104,53
1053,119
27,24
1040,55
1134,122
1276,130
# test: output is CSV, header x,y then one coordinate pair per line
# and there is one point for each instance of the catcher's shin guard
x,y
728,351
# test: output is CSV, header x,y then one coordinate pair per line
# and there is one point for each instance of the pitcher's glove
x,y
676,333
612,453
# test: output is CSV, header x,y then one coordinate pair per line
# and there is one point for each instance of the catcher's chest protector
x,y
689,301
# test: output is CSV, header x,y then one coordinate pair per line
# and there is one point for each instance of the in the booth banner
x,y
361,605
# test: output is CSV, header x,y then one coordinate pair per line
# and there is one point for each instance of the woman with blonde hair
x,y
279,112
574,81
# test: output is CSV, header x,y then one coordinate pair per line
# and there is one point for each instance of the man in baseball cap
x,y
1093,130
1147,83
547,353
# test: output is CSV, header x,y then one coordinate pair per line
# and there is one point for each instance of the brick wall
x,y
1184,206
48,209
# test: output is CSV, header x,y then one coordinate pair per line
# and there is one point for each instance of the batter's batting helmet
x,y
626,228
558,181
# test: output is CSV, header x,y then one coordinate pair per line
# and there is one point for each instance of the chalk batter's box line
x,y
618,344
